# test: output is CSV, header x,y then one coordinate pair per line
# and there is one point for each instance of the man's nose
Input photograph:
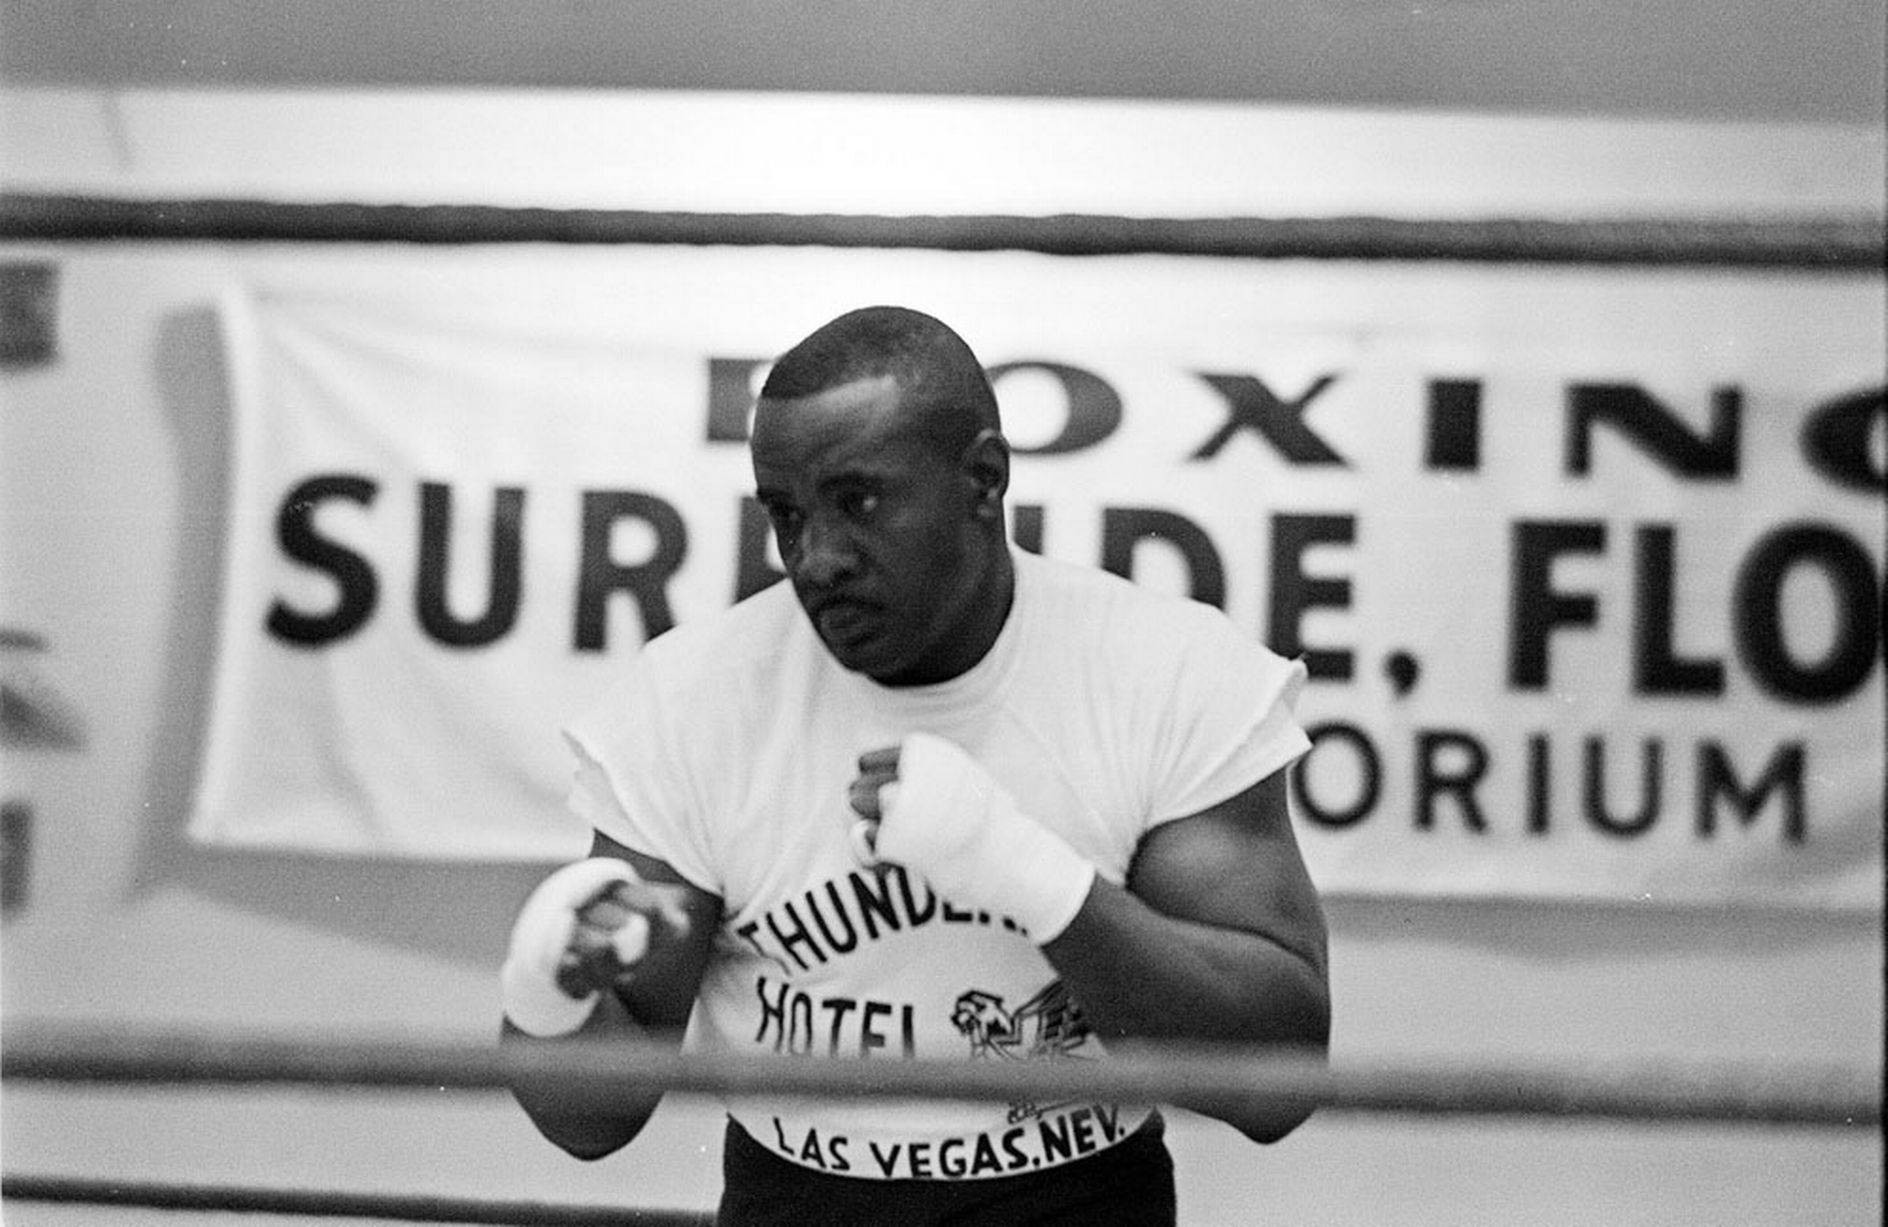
x,y
827,555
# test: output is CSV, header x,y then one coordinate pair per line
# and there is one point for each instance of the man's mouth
x,y
845,622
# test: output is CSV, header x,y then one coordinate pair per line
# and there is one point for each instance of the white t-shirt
x,y
1104,709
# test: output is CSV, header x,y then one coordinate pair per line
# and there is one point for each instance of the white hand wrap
x,y
948,819
541,936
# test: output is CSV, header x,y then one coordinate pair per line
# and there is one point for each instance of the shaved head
x,y
941,384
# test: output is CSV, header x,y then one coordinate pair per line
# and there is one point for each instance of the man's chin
x,y
866,659
853,655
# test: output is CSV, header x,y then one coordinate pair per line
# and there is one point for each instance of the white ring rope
x,y
1771,1093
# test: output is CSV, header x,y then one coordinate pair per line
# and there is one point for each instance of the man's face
x,y
877,531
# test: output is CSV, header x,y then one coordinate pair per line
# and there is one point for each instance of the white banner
x,y
1587,568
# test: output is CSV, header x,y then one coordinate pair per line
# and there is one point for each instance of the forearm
x,y
583,1131
1142,975
636,950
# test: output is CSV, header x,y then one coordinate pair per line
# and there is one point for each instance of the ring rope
x,y
1196,1077
1842,244
321,1203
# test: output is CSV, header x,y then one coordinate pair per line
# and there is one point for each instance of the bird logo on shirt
x,y
1049,1024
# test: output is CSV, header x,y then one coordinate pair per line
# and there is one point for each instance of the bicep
x,y
1236,865
662,991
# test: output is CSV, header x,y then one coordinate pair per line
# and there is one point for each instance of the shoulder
x,y
696,673
1151,654
1188,707
1102,610
725,645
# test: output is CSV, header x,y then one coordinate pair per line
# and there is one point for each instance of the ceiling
x,y
1804,60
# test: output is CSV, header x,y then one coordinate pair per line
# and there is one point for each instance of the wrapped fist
x,y
584,927
930,807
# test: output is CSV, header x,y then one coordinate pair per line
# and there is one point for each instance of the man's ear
x,y
986,463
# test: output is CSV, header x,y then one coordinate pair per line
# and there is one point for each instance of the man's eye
x,y
859,504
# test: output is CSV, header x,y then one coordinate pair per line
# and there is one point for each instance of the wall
x,y
113,463
1722,59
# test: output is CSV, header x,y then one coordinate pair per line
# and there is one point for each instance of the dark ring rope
x,y
1844,244
319,1203
1199,1078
